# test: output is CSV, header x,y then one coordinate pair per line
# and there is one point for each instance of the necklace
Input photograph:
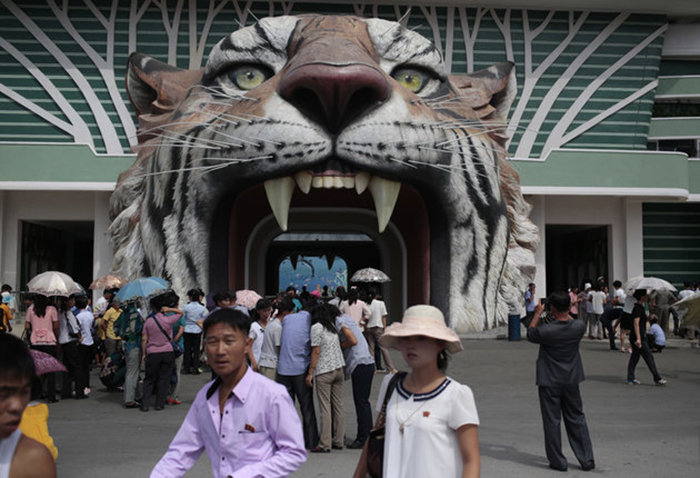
x,y
401,424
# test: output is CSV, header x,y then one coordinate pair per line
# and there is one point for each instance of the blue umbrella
x,y
142,289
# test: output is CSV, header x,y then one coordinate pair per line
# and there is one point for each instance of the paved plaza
x,y
636,430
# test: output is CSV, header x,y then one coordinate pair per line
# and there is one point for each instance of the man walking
x,y
559,372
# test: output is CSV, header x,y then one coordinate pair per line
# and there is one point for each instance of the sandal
x,y
318,449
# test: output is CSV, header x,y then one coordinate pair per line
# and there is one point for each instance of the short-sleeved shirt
x,y
357,354
295,349
638,312
257,333
157,341
194,311
597,301
109,318
330,355
378,310
85,319
42,327
176,329
271,340
428,445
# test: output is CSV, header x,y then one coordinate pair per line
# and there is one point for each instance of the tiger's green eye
x,y
410,78
247,77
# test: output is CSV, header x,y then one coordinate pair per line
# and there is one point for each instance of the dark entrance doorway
x,y
575,252
65,246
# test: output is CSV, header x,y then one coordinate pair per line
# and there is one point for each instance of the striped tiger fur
x,y
288,95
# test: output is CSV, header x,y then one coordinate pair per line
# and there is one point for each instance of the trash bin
x,y
513,328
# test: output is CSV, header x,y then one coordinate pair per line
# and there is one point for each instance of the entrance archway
x,y
262,255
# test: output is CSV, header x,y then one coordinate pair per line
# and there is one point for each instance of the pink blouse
x,y
42,327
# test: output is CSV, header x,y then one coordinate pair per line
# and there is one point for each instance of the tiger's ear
x,y
155,90
489,92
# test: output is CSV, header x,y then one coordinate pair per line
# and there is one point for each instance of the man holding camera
x,y
559,372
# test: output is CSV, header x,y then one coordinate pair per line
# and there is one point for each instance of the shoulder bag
x,y
375,442
176,347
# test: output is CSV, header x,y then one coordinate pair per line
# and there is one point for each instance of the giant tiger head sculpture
x,y
328,105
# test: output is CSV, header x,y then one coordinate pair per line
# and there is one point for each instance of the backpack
x,y
129,324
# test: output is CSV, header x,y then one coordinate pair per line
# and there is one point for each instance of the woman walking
x,y
431,420
375,328
326,365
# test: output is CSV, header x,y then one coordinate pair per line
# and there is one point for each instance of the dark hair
x,y
221,295
285,305
40,303
617,284
17,362
373,293
290,289
559,301
341,293
81,301
442,359
325,315
195,294
353,295
653,320
232,317
6,288
639,293
263,304
166,299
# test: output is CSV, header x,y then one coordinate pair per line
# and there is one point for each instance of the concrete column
x,y
617,245
102,253
538,216
635,238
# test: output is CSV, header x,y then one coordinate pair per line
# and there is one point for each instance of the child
x,y
20,456
656,337
263,310
431,420
246,423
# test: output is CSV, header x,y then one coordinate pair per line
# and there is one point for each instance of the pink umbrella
x,y
45,363
247,298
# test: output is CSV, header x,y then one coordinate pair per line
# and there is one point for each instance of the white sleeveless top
x,y
7,451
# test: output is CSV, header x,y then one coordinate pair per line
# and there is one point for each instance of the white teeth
x,y
303,180
279,195
385,194
361,182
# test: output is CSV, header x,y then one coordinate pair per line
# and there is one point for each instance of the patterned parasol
x,y
247,298
45,363
108,282
54,283
369,275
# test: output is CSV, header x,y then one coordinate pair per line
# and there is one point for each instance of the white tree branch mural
x,y
545,67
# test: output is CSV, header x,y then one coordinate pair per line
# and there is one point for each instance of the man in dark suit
x,y
559,371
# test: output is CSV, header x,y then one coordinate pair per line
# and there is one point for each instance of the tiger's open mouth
x,y
333,174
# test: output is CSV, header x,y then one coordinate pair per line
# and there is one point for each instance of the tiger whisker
x,y
222,94
163,126
401,161
243,141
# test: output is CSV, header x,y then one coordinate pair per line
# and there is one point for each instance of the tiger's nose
x,y
334,95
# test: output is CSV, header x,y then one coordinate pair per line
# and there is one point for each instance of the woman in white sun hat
x,y
431,420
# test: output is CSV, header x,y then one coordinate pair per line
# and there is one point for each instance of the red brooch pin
x,y
250,428
426,413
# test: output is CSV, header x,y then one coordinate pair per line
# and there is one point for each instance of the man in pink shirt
x,y
246,423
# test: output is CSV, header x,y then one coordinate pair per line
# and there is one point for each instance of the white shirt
x,y
597,301
101,306
620,296
257,333
85,319
685,293
428,445
271,340
378,309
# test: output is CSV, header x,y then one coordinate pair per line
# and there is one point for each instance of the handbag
x,y
375,442
176,347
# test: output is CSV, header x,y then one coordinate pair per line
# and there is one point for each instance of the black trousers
x,y
361,387
49,378
607,319
190,360
159,368
645,352
296,386
71,360
565,401
82,381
